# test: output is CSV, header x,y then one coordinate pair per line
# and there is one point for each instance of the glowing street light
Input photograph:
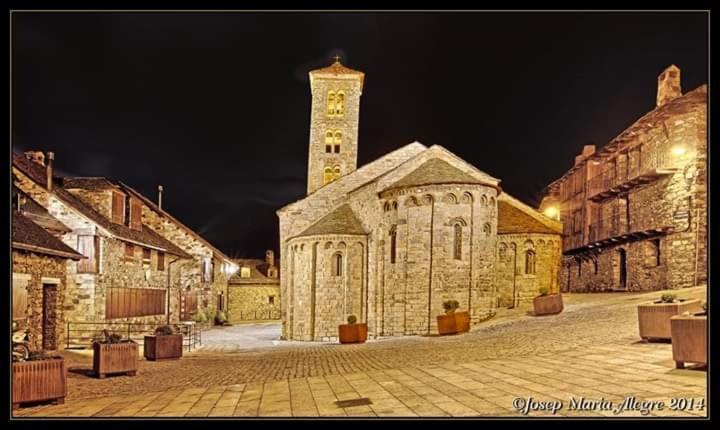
x,y
678,150
551,212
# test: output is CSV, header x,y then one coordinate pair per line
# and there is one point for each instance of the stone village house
x,y
39,269
635,211
254,290
392,240
131,273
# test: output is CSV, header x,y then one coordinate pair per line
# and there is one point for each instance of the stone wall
x,y
320,123
512,279
39,266
251,301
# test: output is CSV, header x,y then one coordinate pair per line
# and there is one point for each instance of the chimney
x,y
270,258
668,85
160,190
49,170
588,150
35,156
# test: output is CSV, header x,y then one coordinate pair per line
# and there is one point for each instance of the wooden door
x,y
188,305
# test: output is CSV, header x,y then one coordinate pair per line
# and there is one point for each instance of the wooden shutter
x,y
118,208
161,261
19,301
129,250
135,214
87,246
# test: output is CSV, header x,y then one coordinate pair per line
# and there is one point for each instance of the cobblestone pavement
x,y
592,349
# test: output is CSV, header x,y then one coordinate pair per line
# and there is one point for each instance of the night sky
x,y
216,106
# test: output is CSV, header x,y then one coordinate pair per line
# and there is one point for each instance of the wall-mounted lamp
x,y
678,150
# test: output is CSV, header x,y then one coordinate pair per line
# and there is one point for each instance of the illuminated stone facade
x,y
635,212
391,241
254,290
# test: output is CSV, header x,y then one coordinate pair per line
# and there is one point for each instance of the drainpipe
x,y
697,244
168,287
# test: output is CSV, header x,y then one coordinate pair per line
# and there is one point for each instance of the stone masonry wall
x,y
40,266
511,269
251,301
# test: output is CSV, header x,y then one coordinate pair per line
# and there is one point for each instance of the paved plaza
x,y
592,350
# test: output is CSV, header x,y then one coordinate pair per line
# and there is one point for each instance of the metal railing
x,y
82,334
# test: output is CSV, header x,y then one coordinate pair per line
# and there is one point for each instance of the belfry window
x,y
393,245
337,141
331,103
328,141
457,244
529,262
337,264
327,175
340,103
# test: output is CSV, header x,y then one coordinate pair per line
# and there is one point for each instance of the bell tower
x,y
334,117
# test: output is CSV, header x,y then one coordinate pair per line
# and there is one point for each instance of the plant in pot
x,y
352,332
39,377
114,355
547,303
165,344
221,318
654,317
453,321
200,317
689,337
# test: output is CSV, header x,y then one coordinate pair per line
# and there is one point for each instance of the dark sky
x,y
216,106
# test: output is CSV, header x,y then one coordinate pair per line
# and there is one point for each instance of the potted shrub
x,y
689,338
654,317
352,332
453,321
546,303
200,318
39,378
114,355
164,344
221,318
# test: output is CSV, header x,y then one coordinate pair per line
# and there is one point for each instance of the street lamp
x,y
551,212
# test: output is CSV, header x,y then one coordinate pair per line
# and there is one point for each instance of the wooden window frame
x,y
82,264
117,208
128,251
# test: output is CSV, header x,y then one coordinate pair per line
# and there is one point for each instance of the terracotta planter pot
x,y
353,333
548,305
462,322
654,318
164,347
39,380
110,358
447,324
689,339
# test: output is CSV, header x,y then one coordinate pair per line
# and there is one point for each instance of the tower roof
x,y
337,71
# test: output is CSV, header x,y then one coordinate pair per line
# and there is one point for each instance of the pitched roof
x,y
91,184
364,175
150,204
146,236
337,70
517,217
340,221
435,171
258,269
37,213
27,235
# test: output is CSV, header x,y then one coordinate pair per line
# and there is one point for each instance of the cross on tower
x,y
337,58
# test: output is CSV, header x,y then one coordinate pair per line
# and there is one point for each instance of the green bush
x,y
352,319
200,317
220,318
544,291
668,298
450,306
164,330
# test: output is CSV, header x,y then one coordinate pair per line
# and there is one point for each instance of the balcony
x,y
608,184
611,231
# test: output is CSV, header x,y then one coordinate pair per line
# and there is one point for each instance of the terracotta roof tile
x,y
29,236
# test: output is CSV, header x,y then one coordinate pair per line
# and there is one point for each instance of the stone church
x,y
390,241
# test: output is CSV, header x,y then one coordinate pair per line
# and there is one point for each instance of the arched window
x,y
340,104
529,262
336,173
487,229
337,264
337,141
328,141
327,175
331,103
393,245
457,244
